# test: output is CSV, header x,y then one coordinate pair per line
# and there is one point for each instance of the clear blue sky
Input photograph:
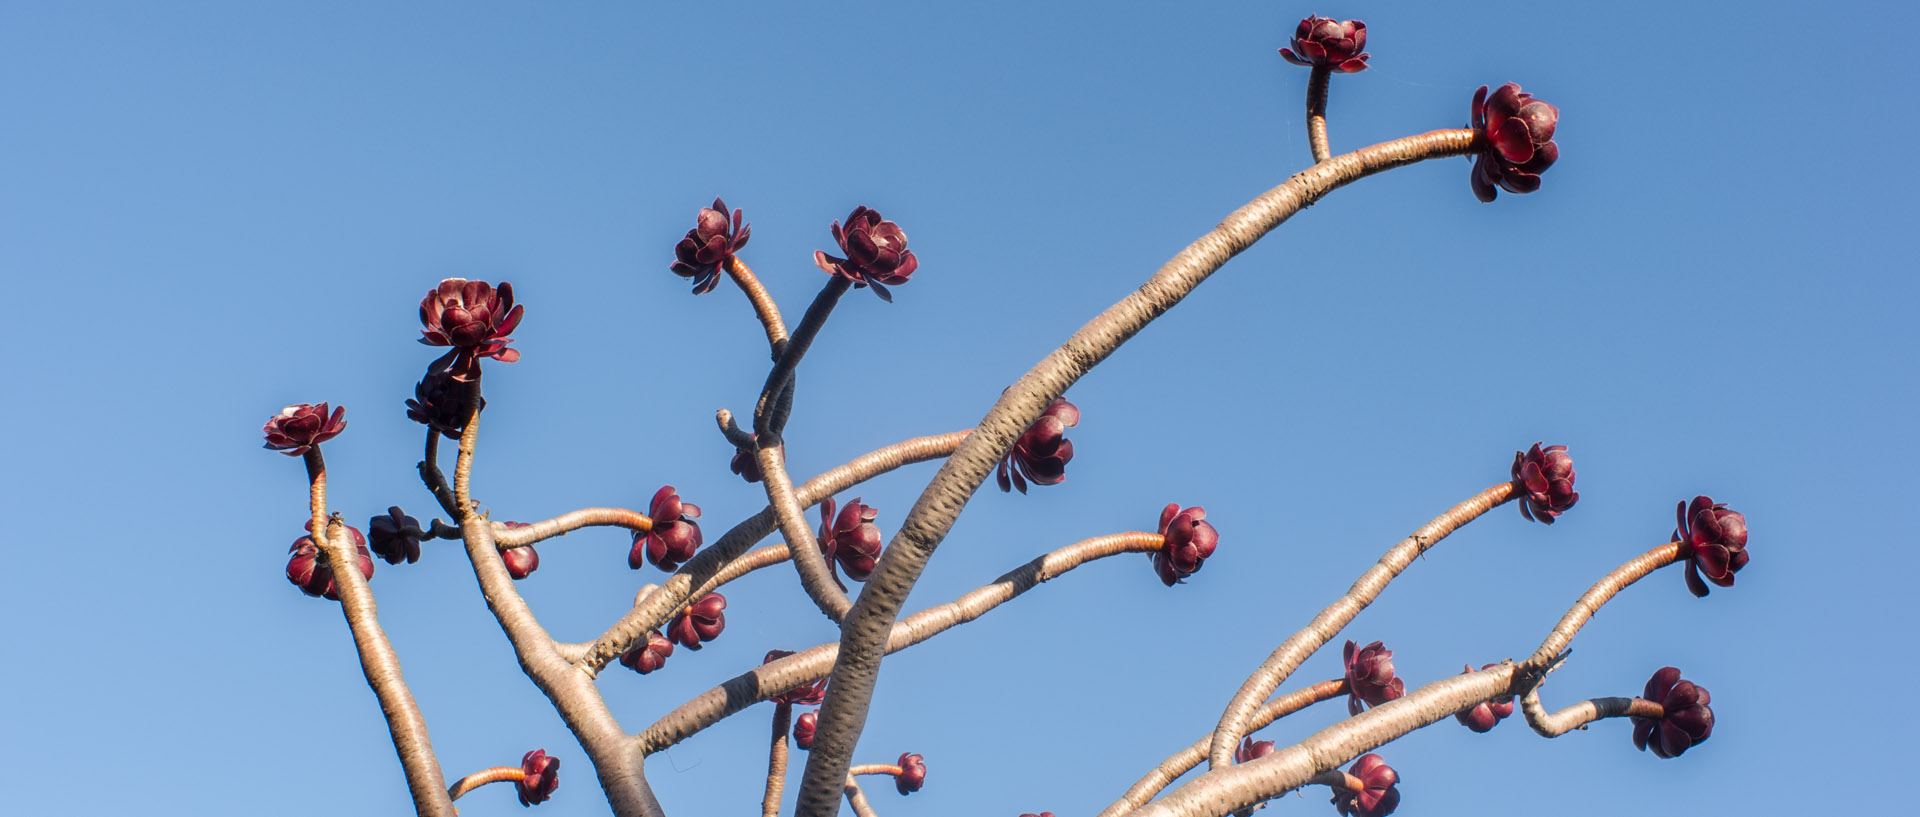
x,y
211,211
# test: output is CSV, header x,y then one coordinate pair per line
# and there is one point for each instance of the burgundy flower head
x,y
1547,476
1329,43
1041,454
913,773
308,568
1041,814
1520,143
850,539
708,246
802,695
440,403
876,251
396,536
1485,714
1379,795
703,621
675,536
298,428
803,730
541,777
1251,750
1713,540
1189,540
1687,719
649,657
521,561
746,463
1370,676
473,318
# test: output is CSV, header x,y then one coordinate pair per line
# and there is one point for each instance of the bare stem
x,y
763,305
1183,761
1317,83
765,423
1303,644
777,760
497,774
572,521
1577,716
434,478
463,466
377,659
858,799
1590,602
675,592
783,674
867,629
816,576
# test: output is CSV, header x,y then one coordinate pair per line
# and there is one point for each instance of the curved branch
x,y
816,576
768,420
1590,602
1183,761
1309,639
497,774
674,593
1580,714
571,521
783,674
865,632
763,305
857,799
777,760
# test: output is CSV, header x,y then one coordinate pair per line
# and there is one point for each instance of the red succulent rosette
x,y
1370,676
1323,42
1713,540
1188,539
396,536
1041,453
440,403
850,539
704,252
675,535
540,776
803,729
650,656
1520,146
1251,749
913,773
803,695
309,570
475,319
1686,720
1482,717
703,621
1379,794
1546,475
300,427
876,251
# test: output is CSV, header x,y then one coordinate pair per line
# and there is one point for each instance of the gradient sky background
x,y
211,211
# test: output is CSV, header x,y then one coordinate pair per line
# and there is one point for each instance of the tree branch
x,y
1580,714
1317,83
1309,639
777,760
763,305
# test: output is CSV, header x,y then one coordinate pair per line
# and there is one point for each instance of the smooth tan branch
x,y
1577,716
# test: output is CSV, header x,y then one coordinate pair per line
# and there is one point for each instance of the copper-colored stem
x,y
858,799
463,467
1590,602
317,492
1317,83
1338,779
874,768
763,305
497,774
574,520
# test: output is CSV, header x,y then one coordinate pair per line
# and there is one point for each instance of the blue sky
x,y
211,211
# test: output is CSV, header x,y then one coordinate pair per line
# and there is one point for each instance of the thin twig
x,y
497,774
858,800
1590,602
571,521
435,479
1317,83
816,576
783,674
1577,716
867,628
763,305
765,423
1309,639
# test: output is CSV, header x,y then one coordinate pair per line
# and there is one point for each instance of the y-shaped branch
x,y
378,661
1181,762
1230,788
865,631
1303,644
783,674
674,593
